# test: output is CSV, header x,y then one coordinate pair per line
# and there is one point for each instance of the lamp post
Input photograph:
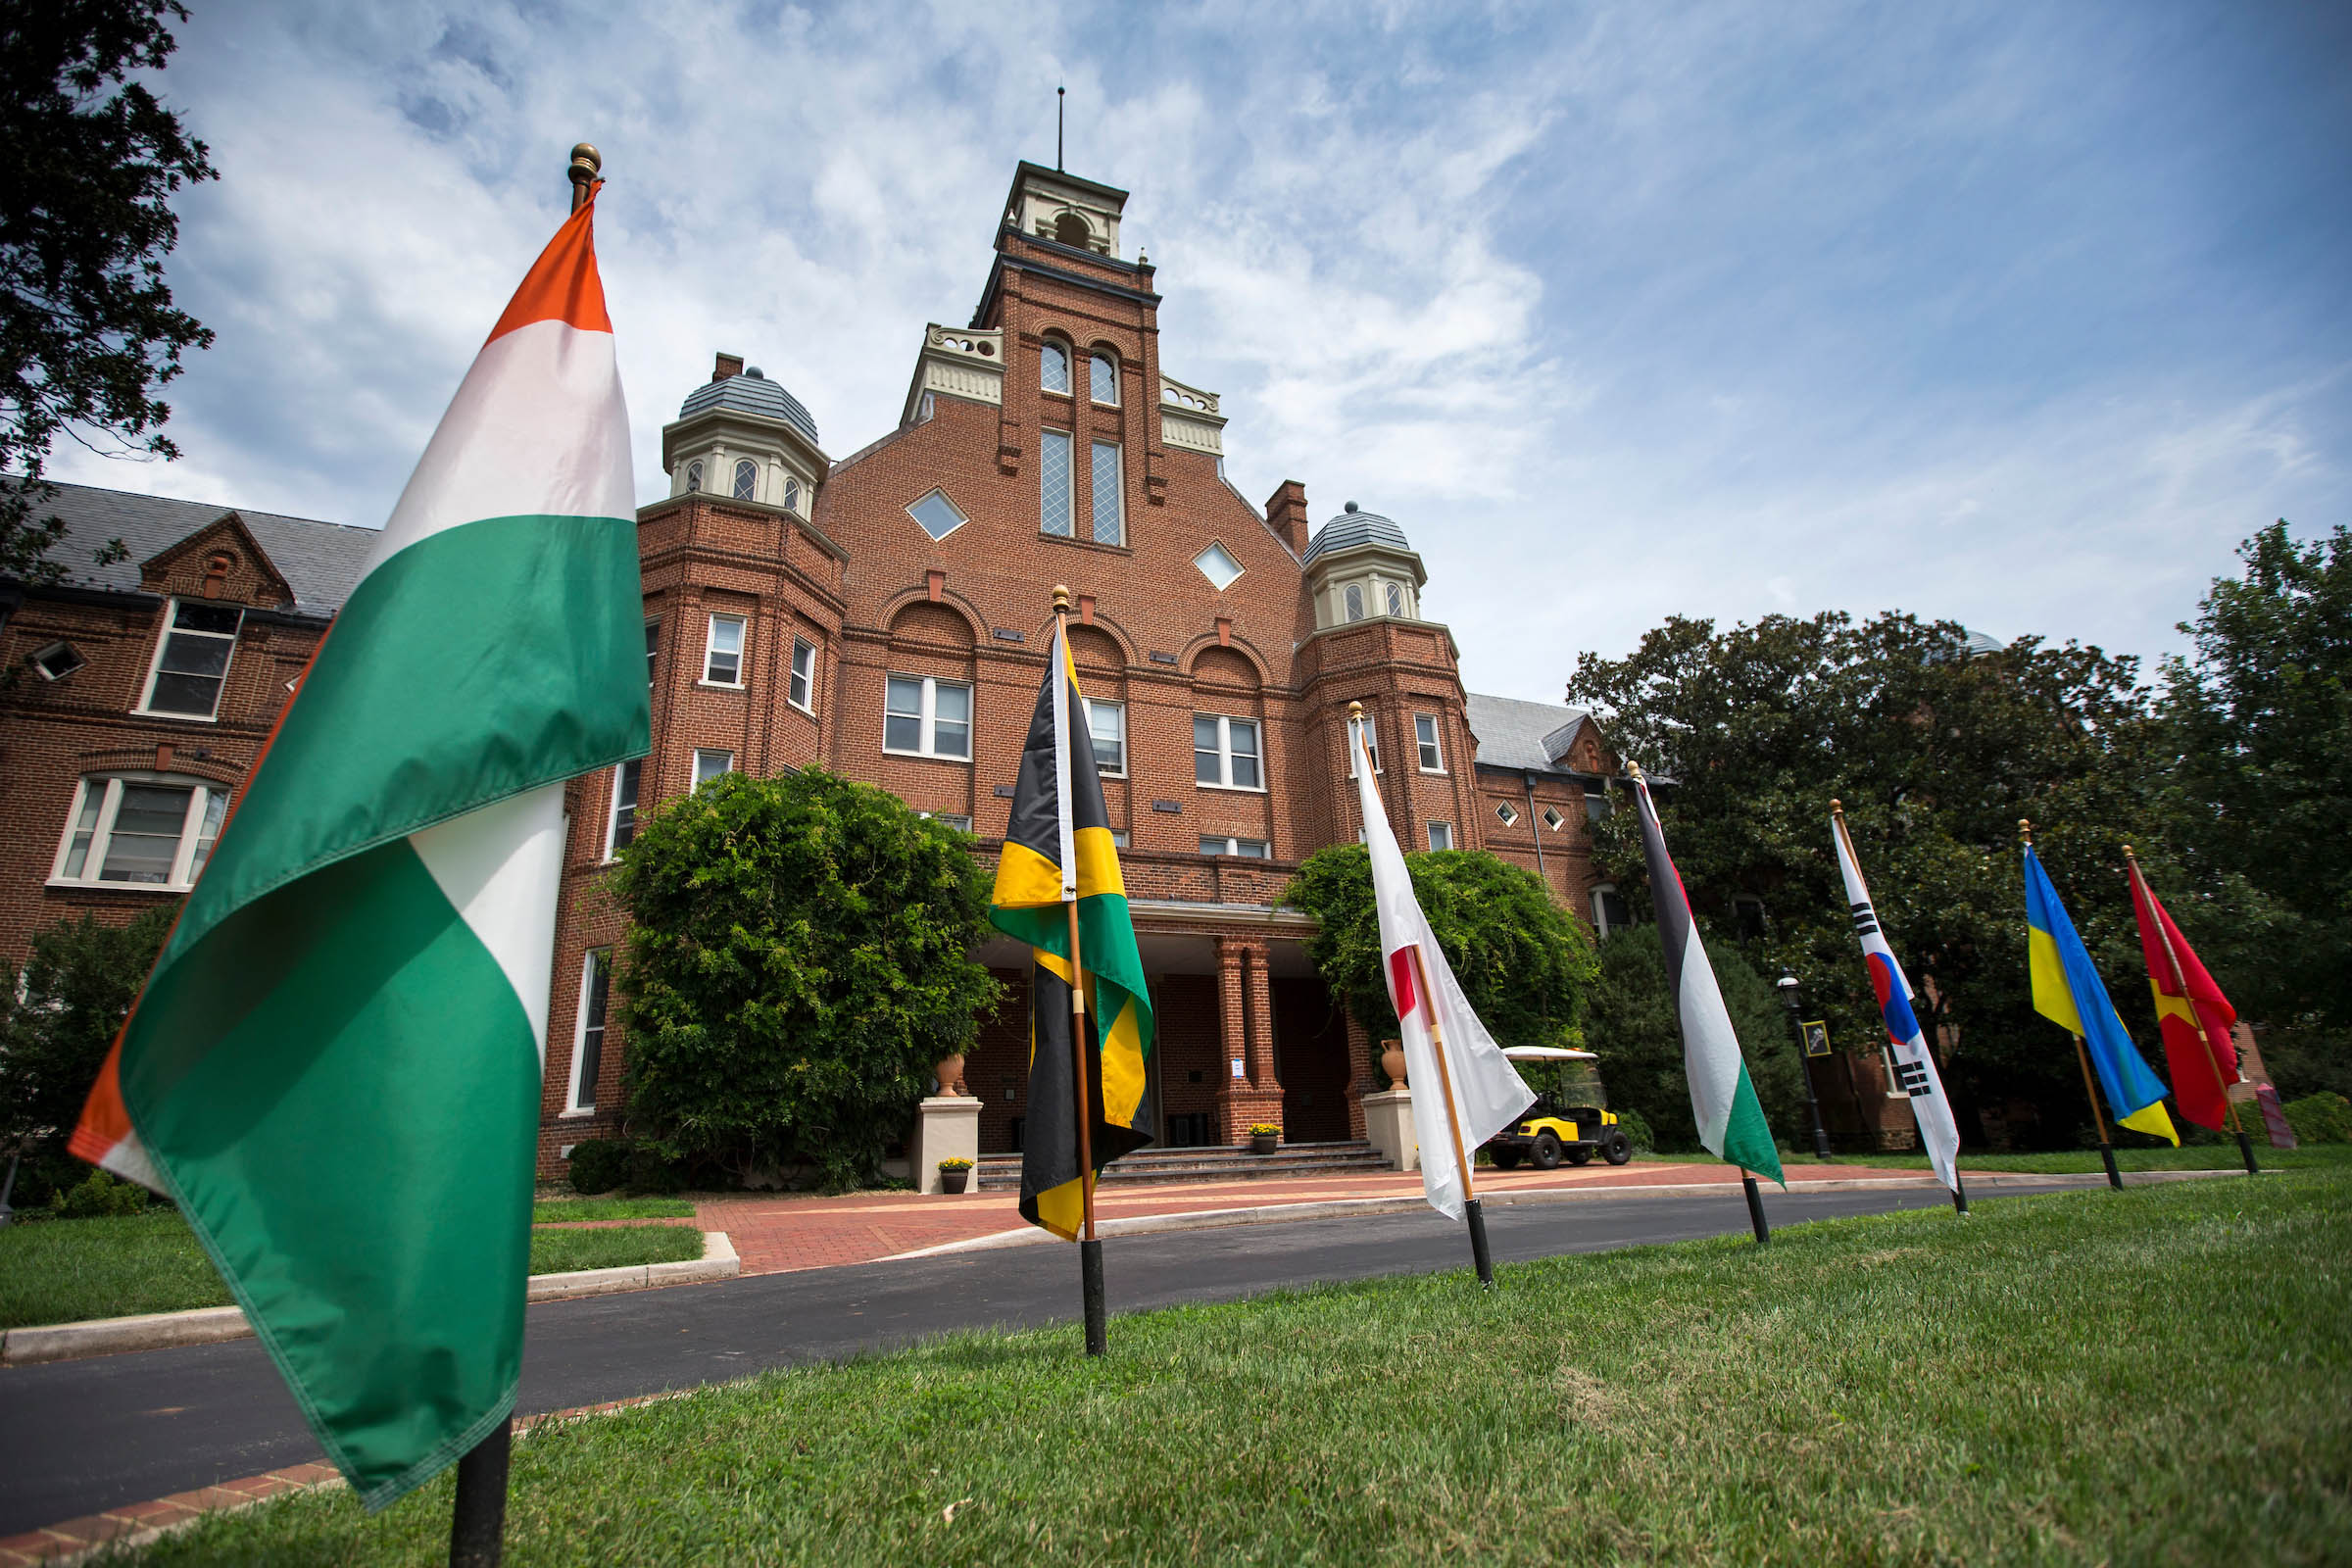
x,y
1789,988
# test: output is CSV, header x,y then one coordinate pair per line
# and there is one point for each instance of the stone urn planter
x,y
955,1175
950,1074
1264,1139
1392,1061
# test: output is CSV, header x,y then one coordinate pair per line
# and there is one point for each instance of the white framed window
x,y
708,765
1054,368
792,495
926,716
1894,1084
1246,849
1371,745
1354,600
1225,754
694,476
652,651
1596,802
1053,493
1552,818
150,830
1507,814
1119,838
1108,500
1106,724
937,514
1102,379
1608,910
1217,565
722,652
58,660
191,659
801,689
1396,598
1441,834
588,1036
620,822
954,819
747,479
1424,741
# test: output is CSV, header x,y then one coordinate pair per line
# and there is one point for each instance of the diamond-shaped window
x,y
1217,565
939,516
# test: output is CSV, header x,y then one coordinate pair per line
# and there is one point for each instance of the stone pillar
x,y
945,1127
1258,976
1249,1095
1389,1124
1360,1080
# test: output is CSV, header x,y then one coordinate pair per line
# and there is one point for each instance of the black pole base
x,y
2245,1148
2115,1178
1089,1279
1959,1193
477,1525
1756,1210
1475,1212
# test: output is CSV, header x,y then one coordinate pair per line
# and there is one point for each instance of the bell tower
x,y
1049,205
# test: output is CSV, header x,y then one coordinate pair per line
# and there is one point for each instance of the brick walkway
x,y
779,1234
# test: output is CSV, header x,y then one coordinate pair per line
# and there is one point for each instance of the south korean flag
x,y
1914,1069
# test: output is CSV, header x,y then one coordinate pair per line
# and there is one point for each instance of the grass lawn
x,y
62,1272
554,1210
2209,1156
2161,1375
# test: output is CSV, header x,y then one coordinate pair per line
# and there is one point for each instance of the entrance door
x,y
1310,1058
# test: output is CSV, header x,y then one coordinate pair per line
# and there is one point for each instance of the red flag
x,y
2198,1075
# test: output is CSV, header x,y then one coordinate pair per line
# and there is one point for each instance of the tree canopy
x,y
89,160
796,964
1524,962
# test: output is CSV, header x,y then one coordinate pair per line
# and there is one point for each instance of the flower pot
x,y
955,1181
1392,1062
1263,1142
950,1074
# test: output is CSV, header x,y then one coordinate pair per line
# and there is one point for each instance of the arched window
x,y
1395,599
1102,379
1071,229
1054,368
694,476
1355,601
792,495
747,479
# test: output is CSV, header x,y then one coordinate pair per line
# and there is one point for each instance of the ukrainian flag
x,y
2067,992
1058,851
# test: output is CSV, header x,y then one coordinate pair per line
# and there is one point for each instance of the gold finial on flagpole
x,y
1356,710
586,164
1836,807
2025,829
2129,855
1061,599
1633,771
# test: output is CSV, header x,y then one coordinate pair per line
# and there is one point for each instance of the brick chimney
x,y
1286,511
730,367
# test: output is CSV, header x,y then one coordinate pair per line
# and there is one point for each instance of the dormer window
x,y
694,476
747,479
191,661
1054,368
1355,601
1102,379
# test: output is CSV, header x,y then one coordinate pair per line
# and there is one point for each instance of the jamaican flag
x,y
1058,850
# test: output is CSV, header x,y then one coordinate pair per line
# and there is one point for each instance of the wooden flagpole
x,y
2090,1086
2171,959
477,1518
1089,1245
1472,1209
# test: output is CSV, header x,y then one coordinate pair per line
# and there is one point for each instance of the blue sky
x,y
2022,314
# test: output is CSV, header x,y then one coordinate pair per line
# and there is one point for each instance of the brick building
x,y
886,615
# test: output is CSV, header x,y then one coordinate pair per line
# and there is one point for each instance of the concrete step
x,y
1003,1172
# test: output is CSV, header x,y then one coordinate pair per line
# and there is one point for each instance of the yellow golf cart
x,y
1550,1132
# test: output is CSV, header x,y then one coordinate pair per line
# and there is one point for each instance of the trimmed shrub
x,y
598,1165
2319,1118
1637,1131
99,1195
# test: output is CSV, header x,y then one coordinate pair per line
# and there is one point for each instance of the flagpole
x,y
2091,1087
2171,959
1089,1245
1846,838
477,1518
1472,1209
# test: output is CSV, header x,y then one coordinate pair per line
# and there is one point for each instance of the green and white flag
x,y
335,1067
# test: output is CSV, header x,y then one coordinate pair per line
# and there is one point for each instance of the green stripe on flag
x,y
1748,1137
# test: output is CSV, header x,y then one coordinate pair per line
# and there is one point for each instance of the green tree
x,y
59,1014
1639,1036
89,161
2262,715
1937,754
1524,962
798,960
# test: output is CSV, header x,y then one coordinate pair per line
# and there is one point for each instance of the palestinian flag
x,y
1723,1099
334,1069
2189,1018
1058,850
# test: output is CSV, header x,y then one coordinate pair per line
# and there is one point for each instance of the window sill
x,y
184,718
1231,789
799,708
927,757
1434,772
720,685
1085,544
576,1114
68,885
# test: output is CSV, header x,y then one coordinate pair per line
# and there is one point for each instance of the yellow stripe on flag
x,y
1097,863
2151,1119
1123,1079
1061,1209
2053,998
1025,879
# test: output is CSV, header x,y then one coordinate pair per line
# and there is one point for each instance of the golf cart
x,y
1550,1132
